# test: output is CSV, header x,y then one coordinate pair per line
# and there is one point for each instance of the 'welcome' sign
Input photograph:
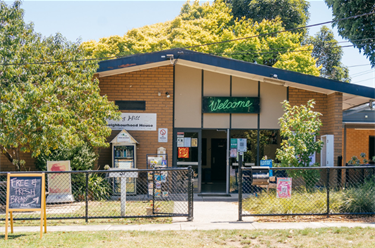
x,y
213,104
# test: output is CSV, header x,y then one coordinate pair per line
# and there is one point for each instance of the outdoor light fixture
x,y
366,116
273,76
159,94
167,94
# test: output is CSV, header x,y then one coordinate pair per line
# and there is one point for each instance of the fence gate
x,y
151,193
347,190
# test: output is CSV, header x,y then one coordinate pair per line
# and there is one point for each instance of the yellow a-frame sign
x,y
26,192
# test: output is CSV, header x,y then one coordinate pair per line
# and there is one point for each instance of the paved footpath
x,y
209,214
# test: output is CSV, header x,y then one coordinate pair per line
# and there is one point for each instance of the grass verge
x,y
97,208
322,237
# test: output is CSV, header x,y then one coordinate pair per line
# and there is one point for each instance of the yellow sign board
x,y
26,192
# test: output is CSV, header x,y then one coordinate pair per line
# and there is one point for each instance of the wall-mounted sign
x,y
135,122
213,104
163,135
123,137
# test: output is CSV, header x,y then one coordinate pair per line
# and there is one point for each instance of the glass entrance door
x,y
187,152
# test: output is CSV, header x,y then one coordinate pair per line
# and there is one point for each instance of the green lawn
x,y
98,208
323,237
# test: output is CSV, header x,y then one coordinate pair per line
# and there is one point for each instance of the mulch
x,y
317,218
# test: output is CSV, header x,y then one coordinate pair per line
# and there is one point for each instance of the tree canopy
x,y
328,53
292,13
207,23
360,31
45,104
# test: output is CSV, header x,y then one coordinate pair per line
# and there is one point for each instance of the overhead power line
x,y
282,31
207,44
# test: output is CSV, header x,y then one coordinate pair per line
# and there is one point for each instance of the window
x,y
131,105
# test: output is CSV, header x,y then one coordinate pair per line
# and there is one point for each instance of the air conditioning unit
x,y
327,153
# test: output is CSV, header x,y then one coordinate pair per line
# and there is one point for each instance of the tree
x,y
328,54
360,31
46,105
207,23
299,126
293,13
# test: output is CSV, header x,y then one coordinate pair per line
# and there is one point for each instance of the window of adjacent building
x,y
372,147
131,105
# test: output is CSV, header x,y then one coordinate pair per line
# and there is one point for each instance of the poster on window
x,y
284,187
183,152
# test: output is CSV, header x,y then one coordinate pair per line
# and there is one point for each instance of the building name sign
x,y
213,104
135,122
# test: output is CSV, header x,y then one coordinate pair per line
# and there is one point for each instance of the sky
x,y
92,20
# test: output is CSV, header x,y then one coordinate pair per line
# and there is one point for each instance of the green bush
x,y
81,157
302,201
359,199
98,187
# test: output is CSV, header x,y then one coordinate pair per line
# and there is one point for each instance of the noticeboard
x,y
25,192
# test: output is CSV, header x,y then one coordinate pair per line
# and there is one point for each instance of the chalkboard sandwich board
x,y
25,192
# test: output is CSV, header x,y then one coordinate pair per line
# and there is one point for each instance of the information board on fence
x,y
284,187
25,192
123,174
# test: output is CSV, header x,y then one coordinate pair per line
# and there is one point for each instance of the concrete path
x,y
209,214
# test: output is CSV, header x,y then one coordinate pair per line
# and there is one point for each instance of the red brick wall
x,y
143,85
331,108
6,165
357,141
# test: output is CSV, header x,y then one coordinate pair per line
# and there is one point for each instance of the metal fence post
x,y
240,188
328,170
86,197
190,194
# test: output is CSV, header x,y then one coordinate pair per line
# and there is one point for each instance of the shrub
x,y
359,199
81,157
302,201
98,188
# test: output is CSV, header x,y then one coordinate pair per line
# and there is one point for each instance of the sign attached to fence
x,y
135,122
284,187
123,174
59,184
25,192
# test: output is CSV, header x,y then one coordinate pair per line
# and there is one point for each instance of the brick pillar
x,y
333,121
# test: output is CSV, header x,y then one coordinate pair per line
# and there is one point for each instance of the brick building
x,y
182,87
204,101
359,132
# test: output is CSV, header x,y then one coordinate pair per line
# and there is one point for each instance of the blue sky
x,y
91,20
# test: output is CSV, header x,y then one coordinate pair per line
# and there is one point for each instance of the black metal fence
x,y
348,190
150,193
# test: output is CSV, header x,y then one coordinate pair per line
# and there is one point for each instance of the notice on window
x,y
180,142
187,142
194,142
242,145
284,187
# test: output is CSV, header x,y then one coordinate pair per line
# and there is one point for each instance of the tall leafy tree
x,y
45,105
360,31
293,13
207,23
328,54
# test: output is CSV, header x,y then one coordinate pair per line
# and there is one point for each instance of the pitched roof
x,y
353,95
